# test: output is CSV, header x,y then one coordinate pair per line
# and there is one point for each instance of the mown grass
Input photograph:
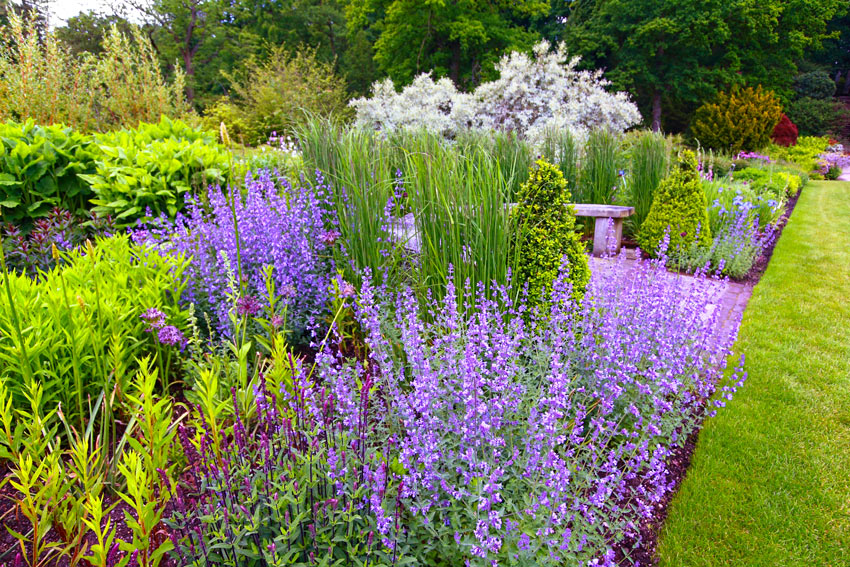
x,y
769,484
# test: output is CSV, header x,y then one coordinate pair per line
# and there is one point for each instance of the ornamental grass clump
x,y
679,208
279,226
544,225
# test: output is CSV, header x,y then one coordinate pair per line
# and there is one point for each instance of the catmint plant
x,y
281,227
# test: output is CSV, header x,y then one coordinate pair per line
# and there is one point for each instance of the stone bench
x,y
605,215
404,229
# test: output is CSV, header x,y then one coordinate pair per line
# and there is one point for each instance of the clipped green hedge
x,y
121,174
545,233
680,208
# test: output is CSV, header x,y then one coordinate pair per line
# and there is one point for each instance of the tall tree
x,y
678,54
461,39
85,31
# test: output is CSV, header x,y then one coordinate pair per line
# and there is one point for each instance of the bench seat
x,y
606,216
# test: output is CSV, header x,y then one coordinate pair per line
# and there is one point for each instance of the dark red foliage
x,y
785,133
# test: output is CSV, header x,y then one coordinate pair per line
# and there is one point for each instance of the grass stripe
x,y
769,483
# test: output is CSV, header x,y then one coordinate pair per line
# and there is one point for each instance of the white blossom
x,y
531,95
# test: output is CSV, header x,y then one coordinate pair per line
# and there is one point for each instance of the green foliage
x,y
76,331
276,95
85,32
679,209
814,117
544,225
120,86
462,40
153,167
741,119
38,170
224,111
777,184
121,173
650,157
816,84
561,147
674,55
804,154
599,177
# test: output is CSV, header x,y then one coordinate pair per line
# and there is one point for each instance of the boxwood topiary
x,y
544,224
680,207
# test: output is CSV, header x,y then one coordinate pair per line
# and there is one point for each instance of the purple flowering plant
x,y
738,241
474,437
282,234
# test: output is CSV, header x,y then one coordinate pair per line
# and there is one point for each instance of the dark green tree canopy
x,y
677,54
461,39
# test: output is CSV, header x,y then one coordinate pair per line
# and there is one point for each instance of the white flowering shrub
x,y
424,104
532,94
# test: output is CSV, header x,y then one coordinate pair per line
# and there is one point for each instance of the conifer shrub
x,y
785,133
741,119
545,233
817,84
680,208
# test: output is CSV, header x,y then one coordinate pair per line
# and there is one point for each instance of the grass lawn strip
x,y
770,479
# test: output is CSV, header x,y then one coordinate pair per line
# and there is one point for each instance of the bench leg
x,y
601,236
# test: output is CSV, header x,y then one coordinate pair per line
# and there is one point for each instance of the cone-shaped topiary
x,y
785,133
680,207
544,224
741,119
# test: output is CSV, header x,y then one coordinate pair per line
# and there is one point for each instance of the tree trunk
x,y
656,111
455,68
847,84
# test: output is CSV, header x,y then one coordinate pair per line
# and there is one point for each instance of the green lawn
x,y
770,480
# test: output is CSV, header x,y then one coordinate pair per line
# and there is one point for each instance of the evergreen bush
x,y
545,232
680,208
817,84
814,117
785,133
741,119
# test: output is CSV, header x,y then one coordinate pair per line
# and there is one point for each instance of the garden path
x,y
730,297
845,174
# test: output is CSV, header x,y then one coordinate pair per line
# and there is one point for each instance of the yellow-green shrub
x,y
545,233
741,119
804,154
273,96
680,208
122,86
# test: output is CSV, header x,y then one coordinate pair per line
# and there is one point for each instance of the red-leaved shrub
x,y
785,133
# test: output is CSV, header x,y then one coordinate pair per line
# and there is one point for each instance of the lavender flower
x,y
279,225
